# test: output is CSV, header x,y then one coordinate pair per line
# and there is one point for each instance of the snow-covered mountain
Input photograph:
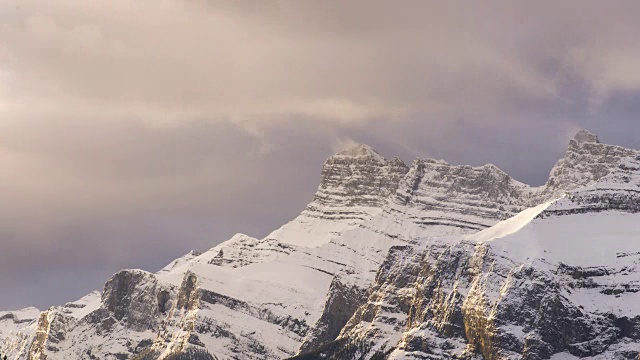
x,y
559,280
426,261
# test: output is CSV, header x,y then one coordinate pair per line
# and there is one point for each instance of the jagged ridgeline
x,y
389,261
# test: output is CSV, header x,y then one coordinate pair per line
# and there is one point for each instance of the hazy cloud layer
x,y
134,131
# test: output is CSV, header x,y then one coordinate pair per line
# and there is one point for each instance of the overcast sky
x,y
132,131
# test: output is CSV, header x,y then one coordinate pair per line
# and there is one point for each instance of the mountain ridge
x,y
366,205
557,281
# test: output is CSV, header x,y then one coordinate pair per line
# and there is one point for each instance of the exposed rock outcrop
x,y
135,298
343,301
586,160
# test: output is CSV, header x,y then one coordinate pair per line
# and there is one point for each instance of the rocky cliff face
x,y
586,160
354,185
342,302
471,198
383,264
559,281
123,320
358,176
619,190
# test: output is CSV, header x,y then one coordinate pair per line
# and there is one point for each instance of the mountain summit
x,y
360,151
586,160
585,136
388,261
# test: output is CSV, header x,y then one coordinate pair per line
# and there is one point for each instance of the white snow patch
x,y
83,307
509,226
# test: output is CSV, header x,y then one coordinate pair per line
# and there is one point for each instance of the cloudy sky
x,y
132,131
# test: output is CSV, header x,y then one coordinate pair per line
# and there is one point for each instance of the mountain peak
x,y
360,151
586,136
586,160
358,175
318,281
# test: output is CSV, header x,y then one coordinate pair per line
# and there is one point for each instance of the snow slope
x,y
12,321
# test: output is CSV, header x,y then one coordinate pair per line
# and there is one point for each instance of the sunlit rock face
x,y
135,297
388,262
